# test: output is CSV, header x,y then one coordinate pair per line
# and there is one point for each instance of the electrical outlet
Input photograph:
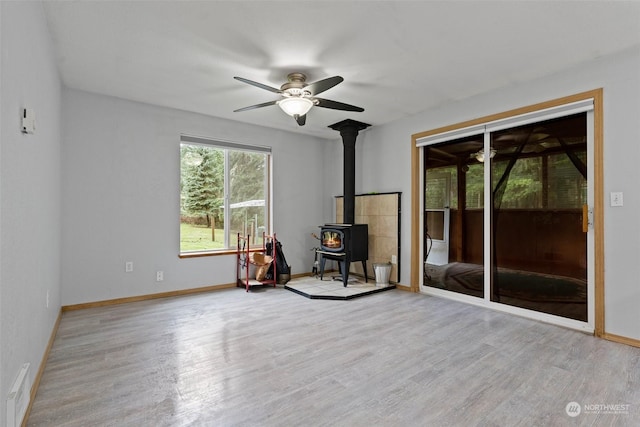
x,y
394,259
128,267
159,276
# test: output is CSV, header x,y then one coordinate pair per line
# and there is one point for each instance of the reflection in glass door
x,y
536,230
437,218
453,217
539,188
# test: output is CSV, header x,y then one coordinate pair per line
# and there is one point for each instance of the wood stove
x,y
348,242
344,243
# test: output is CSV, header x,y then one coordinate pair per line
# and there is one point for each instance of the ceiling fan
x,y
298,96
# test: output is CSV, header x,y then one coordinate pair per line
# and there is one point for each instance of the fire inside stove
x,y
332,240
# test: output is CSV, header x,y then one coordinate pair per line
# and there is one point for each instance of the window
x,y
224,190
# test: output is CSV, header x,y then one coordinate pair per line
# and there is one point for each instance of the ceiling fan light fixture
x,y
295,105
480,155
297,97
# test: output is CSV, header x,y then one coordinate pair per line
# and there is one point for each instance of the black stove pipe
x,y
349,130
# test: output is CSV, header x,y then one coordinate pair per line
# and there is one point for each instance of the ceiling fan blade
x,y
322,85
253,107
335,105
301,120
260,85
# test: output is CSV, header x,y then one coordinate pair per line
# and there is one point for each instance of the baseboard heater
x,y
19,398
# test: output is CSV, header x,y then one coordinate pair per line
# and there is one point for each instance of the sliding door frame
x,y
598,187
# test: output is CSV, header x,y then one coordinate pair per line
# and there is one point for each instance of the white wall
x,y
121,197
120,176
29,192
385,152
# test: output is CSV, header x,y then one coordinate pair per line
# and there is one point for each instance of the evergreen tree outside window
x,y
224,190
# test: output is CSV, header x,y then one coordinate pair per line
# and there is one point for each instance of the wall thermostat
x,y
28,121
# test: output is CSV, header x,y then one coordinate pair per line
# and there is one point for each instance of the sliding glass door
x,y
539,187
511,200
453,217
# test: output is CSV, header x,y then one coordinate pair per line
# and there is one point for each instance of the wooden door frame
x,y
598,186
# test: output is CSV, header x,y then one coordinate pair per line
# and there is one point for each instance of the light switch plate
x,y
28,121
616,198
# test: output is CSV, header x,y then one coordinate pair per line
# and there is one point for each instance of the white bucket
x,y
382,272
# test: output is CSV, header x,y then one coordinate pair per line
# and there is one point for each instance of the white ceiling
x,y
397,57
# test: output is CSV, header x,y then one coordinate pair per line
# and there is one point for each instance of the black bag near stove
x,y
281,262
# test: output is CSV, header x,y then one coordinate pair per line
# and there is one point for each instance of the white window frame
x,y
234,146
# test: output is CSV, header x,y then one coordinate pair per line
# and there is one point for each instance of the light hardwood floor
x,y
271,357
